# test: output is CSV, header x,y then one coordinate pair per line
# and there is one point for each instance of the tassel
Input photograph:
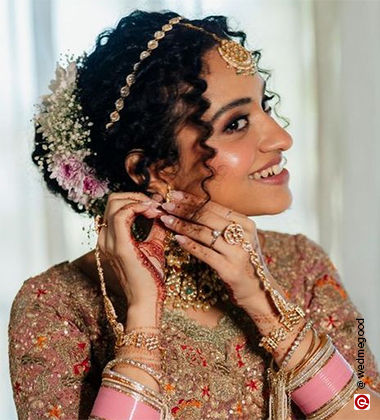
x,y
278,398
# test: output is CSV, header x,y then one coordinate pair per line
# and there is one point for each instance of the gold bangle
x,y
297,342
313,356
137,385
270,341
326,353
119,360
114,384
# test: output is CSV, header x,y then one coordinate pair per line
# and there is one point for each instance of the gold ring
x,y
233,233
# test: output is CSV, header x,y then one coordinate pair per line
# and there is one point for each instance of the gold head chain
x,y
234,54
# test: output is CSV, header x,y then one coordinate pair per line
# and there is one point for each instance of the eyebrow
x,y
233,104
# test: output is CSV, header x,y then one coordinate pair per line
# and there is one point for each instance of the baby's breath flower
x,y
67,133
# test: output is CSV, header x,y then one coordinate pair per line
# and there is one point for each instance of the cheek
x,y
234,159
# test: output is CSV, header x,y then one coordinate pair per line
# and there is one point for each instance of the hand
x,y
139,266
231,262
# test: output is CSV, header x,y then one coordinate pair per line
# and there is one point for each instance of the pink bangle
x,y
112,404
324,385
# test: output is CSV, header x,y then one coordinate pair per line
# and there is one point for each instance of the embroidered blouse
x,y
60,340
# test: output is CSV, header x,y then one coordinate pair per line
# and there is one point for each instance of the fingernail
x,y
150,203
157,197
167,219
168,206
181,239
177,194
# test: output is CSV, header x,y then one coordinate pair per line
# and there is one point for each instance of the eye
x,y
237,124
264,104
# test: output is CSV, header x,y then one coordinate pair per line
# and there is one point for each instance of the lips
x,y
274,161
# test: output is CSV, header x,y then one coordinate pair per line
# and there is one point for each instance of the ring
x,y
215,234
233,233
99,223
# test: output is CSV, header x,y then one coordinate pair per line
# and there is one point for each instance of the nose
x,y
274,137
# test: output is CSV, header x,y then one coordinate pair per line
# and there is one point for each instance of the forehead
x,y
224,85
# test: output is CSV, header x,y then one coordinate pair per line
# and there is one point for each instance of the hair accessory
x,y
234,54
67,133
130,79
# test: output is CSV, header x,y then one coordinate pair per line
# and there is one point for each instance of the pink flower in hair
x,y
94,187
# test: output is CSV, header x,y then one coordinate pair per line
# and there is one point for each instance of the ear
x,y
158,180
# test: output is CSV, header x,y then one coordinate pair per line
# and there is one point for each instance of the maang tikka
x,y
189,282
234,54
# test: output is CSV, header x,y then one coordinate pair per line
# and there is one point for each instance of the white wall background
x,y
325,59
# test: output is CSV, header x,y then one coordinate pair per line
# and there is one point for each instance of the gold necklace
x,y
190,282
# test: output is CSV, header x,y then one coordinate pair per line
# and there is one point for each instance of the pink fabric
x,y
324,385
114,405
59,340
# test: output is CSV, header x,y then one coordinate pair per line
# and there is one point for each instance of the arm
x,y
49,357
330,308
111,404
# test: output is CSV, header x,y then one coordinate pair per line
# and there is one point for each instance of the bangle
x,y
324,385
270,342
114,404
297,342
338,402
123,360
126,380
313,365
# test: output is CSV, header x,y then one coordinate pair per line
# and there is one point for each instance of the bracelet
x,y
313,365
338,402
113,403
297,342
152,393
141,339
120,360
320,391
270,342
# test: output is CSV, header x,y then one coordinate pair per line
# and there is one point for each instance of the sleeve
x,y
49,357
328,304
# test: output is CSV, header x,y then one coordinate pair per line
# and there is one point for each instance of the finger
x,y
192,207
200,233
203,253
120,226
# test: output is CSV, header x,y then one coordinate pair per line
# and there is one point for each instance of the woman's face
x,y
245,138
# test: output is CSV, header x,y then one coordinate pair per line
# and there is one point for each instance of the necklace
x,y
190,282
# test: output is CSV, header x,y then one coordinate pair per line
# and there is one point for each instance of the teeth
x,y
273,170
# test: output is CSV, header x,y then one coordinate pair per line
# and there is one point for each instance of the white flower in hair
x,y
66,133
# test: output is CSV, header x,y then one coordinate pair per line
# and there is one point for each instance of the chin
x,y
271,206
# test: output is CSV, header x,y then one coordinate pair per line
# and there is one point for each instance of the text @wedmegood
x,y
361,401
361,351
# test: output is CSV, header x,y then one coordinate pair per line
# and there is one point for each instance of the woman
x,y
233,323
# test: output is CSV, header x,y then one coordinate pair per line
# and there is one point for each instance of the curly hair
x,y
168,91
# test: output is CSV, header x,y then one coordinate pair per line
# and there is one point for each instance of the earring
x,y
168,194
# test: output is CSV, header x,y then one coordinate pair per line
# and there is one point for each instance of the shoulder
x,y
61,287
292,246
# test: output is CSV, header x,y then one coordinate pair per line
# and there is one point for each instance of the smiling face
x,y
245,138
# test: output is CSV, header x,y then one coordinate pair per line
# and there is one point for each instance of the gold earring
x,y
168,194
